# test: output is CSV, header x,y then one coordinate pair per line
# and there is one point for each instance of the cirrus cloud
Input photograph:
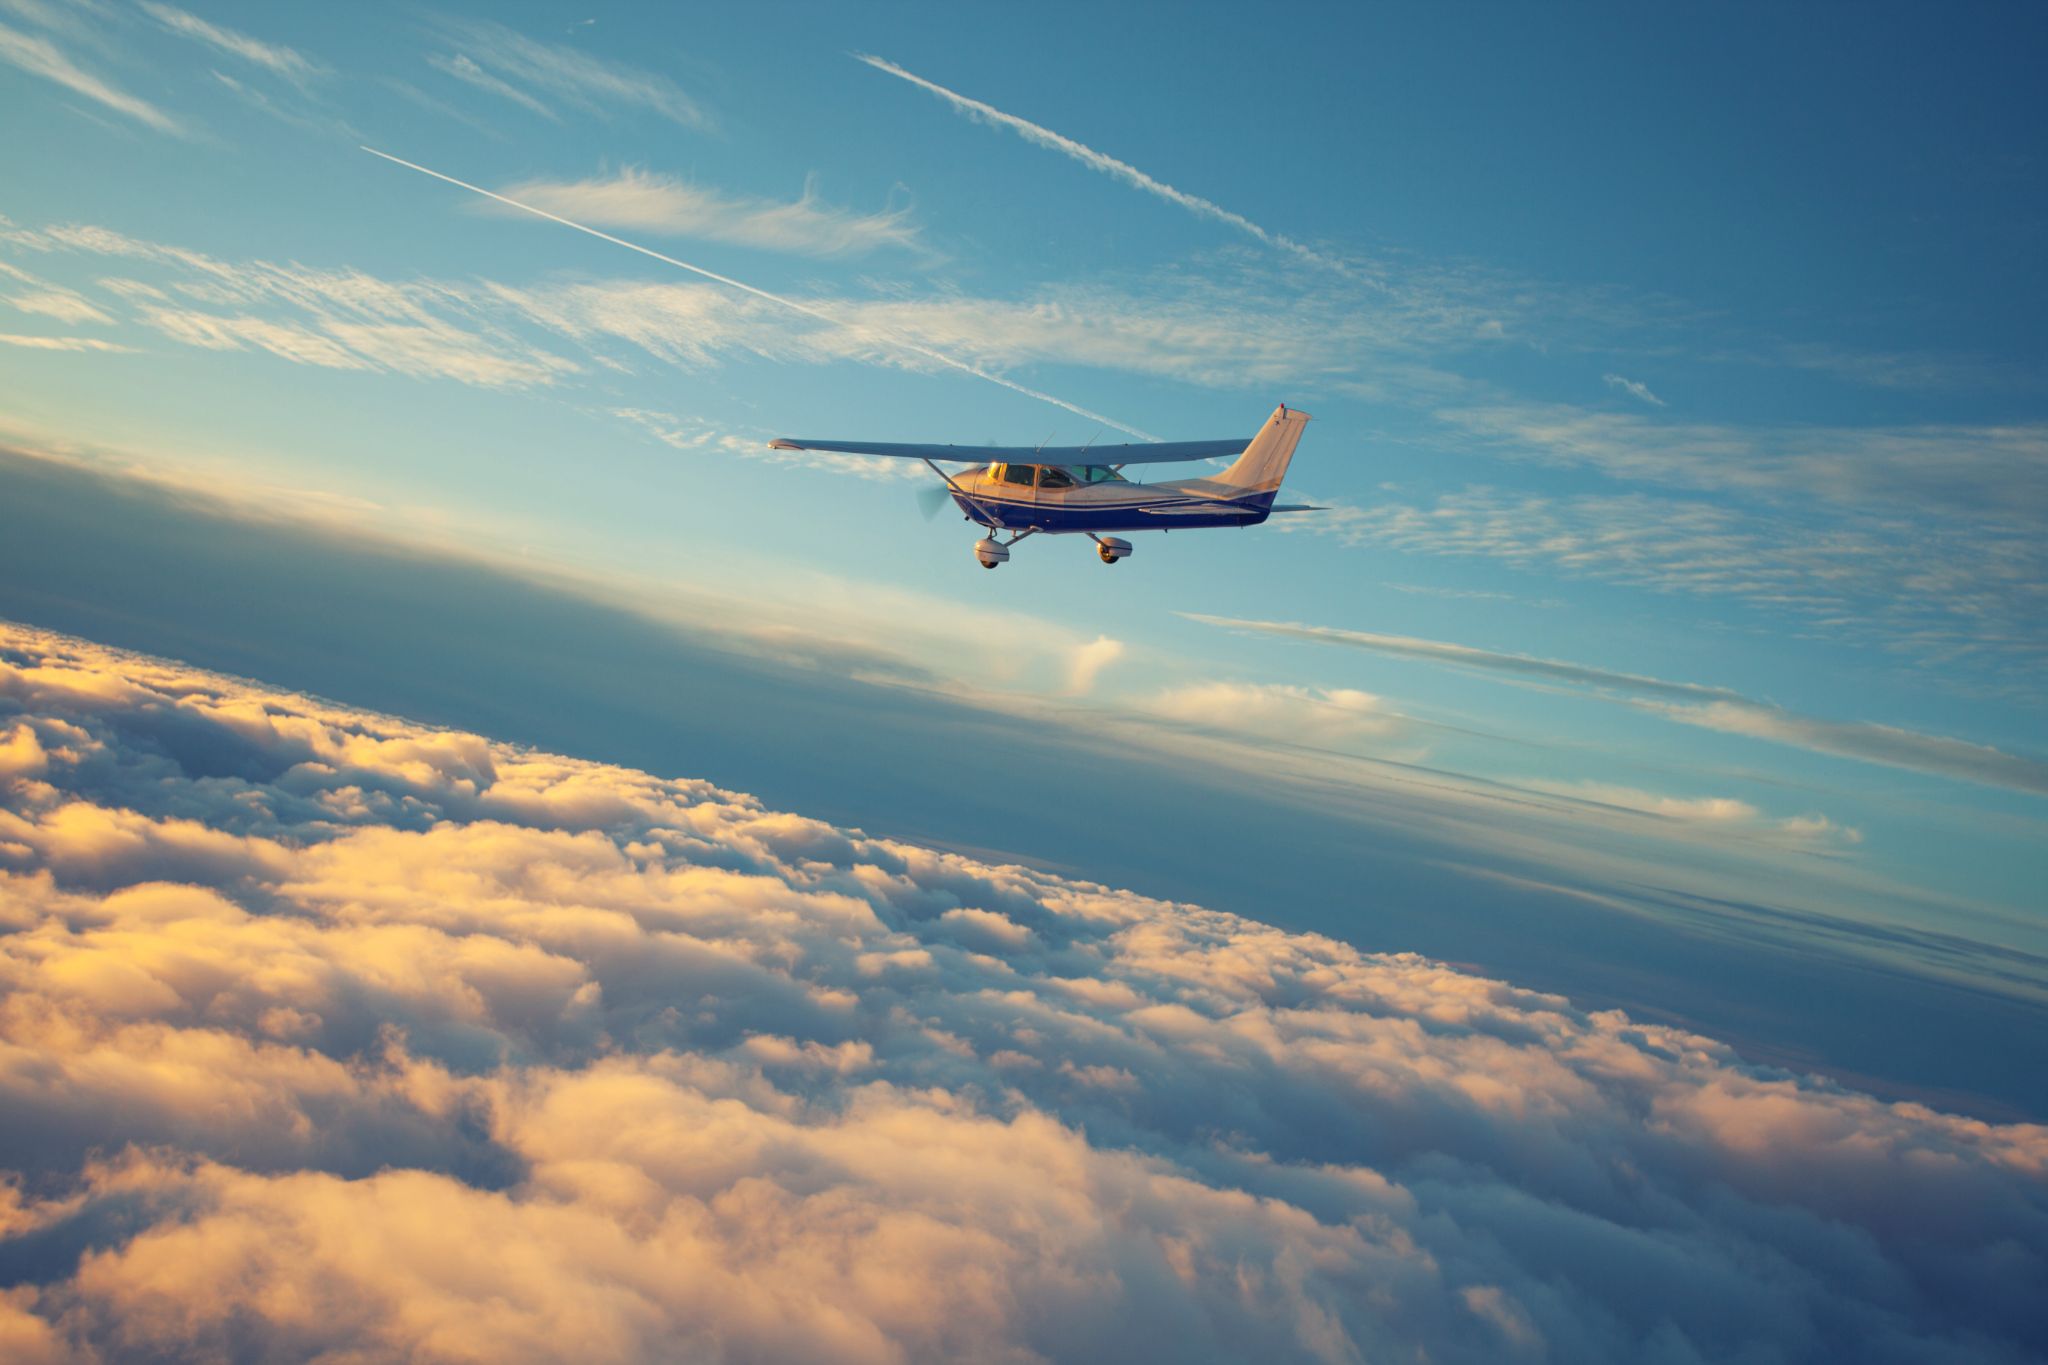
x,y
276,58
41,57
639,200
506,62
47,343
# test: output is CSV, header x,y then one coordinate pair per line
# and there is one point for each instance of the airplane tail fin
x,y
1264,462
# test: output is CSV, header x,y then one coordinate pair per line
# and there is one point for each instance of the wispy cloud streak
x,y
36,343
818,313
273,57
507,63
1946,589
40,57
65,305
1869,743
468,72
1108,165
1712,708
651,202
1985,471
1634,388
1482,660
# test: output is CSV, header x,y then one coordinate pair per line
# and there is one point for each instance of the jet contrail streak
x,y
1108,165
745,288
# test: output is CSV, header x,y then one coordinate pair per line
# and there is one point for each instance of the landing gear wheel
x,y
1106,555
990,563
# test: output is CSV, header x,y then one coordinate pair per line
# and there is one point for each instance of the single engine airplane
x,y
1019,491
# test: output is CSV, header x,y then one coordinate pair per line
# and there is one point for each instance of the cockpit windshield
x,y
1046,475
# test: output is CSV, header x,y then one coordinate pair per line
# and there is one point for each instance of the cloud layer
x,y
327,1033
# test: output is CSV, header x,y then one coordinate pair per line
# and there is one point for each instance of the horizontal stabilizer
x,y
1297,507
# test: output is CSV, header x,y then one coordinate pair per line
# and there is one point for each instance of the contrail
x,y
745,288
1108,165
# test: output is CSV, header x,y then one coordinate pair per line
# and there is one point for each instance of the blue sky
x,y
1694,354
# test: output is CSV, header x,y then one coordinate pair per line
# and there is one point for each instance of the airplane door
x,y
1016,484
1053,484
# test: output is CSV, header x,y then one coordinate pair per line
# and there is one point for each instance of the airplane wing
x,y
1157,452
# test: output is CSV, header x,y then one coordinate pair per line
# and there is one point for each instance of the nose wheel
x,y
989,552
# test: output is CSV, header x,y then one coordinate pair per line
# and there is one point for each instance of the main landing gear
x,y
1111,548
989,552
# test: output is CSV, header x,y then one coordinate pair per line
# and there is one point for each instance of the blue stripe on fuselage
x,y
1016,515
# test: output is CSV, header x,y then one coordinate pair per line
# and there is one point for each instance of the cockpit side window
x,y
1099,473
1051,477
1018,474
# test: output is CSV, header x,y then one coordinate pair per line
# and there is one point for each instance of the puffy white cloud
x,y
1088,662
323,1033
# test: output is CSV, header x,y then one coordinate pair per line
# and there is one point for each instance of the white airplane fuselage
x,y
991,496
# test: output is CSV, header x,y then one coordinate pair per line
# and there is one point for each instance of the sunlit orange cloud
x,y
333,1034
